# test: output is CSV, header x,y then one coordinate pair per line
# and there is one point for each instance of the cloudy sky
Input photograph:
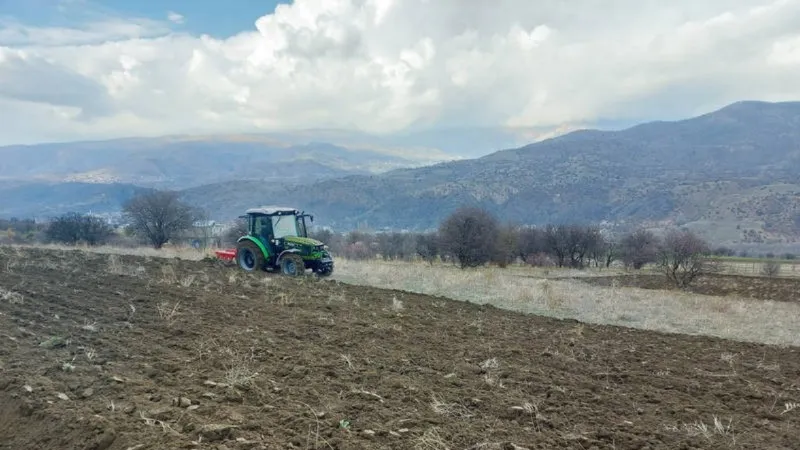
x,y
80,69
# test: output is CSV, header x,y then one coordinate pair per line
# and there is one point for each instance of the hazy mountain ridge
x,y
734,172
638,174
43,200
182,162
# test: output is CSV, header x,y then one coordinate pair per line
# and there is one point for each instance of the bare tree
x,y
232,234
95,231
557,240
585,242
771,268
65,229
159,216
605,253
427,246
572,244
639,248
684,256
358,251
469,235
396,245
531,244
506,250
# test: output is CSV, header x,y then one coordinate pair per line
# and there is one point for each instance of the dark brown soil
x,y
763,288
260,361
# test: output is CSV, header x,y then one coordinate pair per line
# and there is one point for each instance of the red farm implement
x,y
226,255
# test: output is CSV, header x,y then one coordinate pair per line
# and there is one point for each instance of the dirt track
x,y
87,361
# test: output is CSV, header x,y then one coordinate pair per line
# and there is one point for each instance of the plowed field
x,y
107,352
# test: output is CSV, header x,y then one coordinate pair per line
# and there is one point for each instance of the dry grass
x,y
762,321
718,428
169,313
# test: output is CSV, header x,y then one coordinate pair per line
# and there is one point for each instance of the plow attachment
x,y
226,255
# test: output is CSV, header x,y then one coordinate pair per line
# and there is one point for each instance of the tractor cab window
x,y
284,226
262,227
301,227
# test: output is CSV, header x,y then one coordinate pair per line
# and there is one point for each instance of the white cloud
x,y
386,65
174,17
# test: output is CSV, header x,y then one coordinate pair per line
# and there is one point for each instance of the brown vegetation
x,y
683,256
470,235
73,228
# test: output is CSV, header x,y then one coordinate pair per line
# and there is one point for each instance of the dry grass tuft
x,y
90,326
239,364
188,280
168,312
116,267
431,439
718,428
397,305
789,407
449,409
15,298
168,275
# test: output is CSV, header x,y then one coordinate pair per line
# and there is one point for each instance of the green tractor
x,y
277,240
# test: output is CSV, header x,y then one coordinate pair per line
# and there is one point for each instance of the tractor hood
x,y
302,241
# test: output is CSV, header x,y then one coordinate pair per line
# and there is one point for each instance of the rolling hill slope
x,y
736,166
184,161
733,173
43,200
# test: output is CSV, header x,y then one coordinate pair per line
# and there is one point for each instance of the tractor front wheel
x,y
293,265
249,256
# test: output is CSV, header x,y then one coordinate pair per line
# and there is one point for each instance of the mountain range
x,y
179,162
733,173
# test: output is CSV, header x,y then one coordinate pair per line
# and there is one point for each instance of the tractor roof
x,y
272,210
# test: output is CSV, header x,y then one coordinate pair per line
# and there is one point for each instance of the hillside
x,y
48,179
734,172
44,200
186,161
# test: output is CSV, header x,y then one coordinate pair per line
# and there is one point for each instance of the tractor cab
x,y
271,225
277,238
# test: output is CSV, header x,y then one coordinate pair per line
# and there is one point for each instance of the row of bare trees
x,y
155,217
471,237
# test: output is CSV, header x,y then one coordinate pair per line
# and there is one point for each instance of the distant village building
x,y
202,234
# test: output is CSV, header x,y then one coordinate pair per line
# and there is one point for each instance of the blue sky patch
x,y
214,17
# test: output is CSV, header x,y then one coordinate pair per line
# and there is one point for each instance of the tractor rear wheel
x,y
293,265
249,256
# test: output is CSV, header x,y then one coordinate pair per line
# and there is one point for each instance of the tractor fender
x,y
286,252
257,242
